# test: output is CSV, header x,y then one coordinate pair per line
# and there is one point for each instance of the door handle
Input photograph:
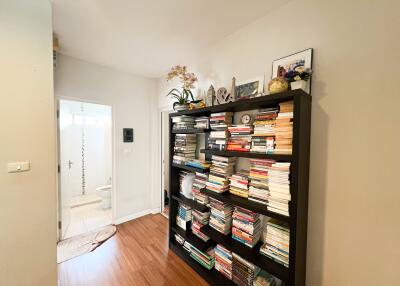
x,y
70,164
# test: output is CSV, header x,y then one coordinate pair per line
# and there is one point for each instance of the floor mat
x,y
81,244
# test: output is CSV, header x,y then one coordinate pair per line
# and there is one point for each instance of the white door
x,y
71,124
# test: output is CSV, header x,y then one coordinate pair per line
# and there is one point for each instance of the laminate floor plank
x,y
137,255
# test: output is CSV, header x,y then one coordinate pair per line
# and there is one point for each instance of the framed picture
x,y
300,60
249,88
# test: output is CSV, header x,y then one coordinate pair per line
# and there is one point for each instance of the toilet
x,y
105,194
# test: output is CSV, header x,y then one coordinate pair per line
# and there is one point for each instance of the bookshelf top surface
x,y
247,104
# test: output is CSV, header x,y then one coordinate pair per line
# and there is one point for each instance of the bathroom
x,y
85,177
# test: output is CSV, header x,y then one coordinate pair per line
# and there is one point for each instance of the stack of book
x,y
219,123
187,246
200,219
246,226
221,216
202,122
183,122
197,163
223,261
279,188
259,188
239,184
220,120
276,244
184,148
240,137
205,259
179,239
200,181
243,272
184,215
265,279
220,171
263,137
218,140
284,128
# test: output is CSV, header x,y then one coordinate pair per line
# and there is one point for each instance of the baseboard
x,y
136,215
156,210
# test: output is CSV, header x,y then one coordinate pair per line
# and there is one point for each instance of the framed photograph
x,y
300,60
249,88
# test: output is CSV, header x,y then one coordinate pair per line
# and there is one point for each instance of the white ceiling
x,y
147,37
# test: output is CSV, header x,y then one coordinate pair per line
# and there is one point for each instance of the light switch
x,y
18,167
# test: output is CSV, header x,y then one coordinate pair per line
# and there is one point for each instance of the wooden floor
x,y
137,255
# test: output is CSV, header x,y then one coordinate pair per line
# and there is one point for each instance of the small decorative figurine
x,y
233,89
210,96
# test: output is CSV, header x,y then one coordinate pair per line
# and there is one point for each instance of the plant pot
x,y
298,84
181,107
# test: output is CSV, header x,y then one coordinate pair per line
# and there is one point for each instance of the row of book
x,y
267,182
204,258
271,131
276,246
229,264
244,225
184,122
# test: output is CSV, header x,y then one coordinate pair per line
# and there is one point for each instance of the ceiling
x,y
147,37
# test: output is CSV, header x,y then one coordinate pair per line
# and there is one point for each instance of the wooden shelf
x,y
189,168
211,276
247,104
193,239
252,255
190,131
245,203
192,203
278,157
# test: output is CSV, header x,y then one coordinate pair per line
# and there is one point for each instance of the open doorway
x,y
165,192
85,166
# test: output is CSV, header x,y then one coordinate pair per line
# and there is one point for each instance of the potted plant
x,y
298,78
185,97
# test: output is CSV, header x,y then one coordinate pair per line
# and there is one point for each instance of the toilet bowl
x,y
105,194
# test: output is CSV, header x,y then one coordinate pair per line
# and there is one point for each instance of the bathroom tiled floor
x,y
86,218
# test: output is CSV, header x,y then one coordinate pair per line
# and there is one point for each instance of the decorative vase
x,y
181,107
298,84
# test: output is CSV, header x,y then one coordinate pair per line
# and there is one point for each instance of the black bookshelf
x,y
294,275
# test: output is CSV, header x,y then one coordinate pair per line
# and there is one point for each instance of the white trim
x,y
136,215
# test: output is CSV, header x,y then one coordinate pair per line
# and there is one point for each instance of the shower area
x,y
85,158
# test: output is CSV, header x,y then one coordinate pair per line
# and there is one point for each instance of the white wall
x,y
353,202
130,97
28,228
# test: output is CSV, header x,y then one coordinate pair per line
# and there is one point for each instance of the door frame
x,y
161,138
113,158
